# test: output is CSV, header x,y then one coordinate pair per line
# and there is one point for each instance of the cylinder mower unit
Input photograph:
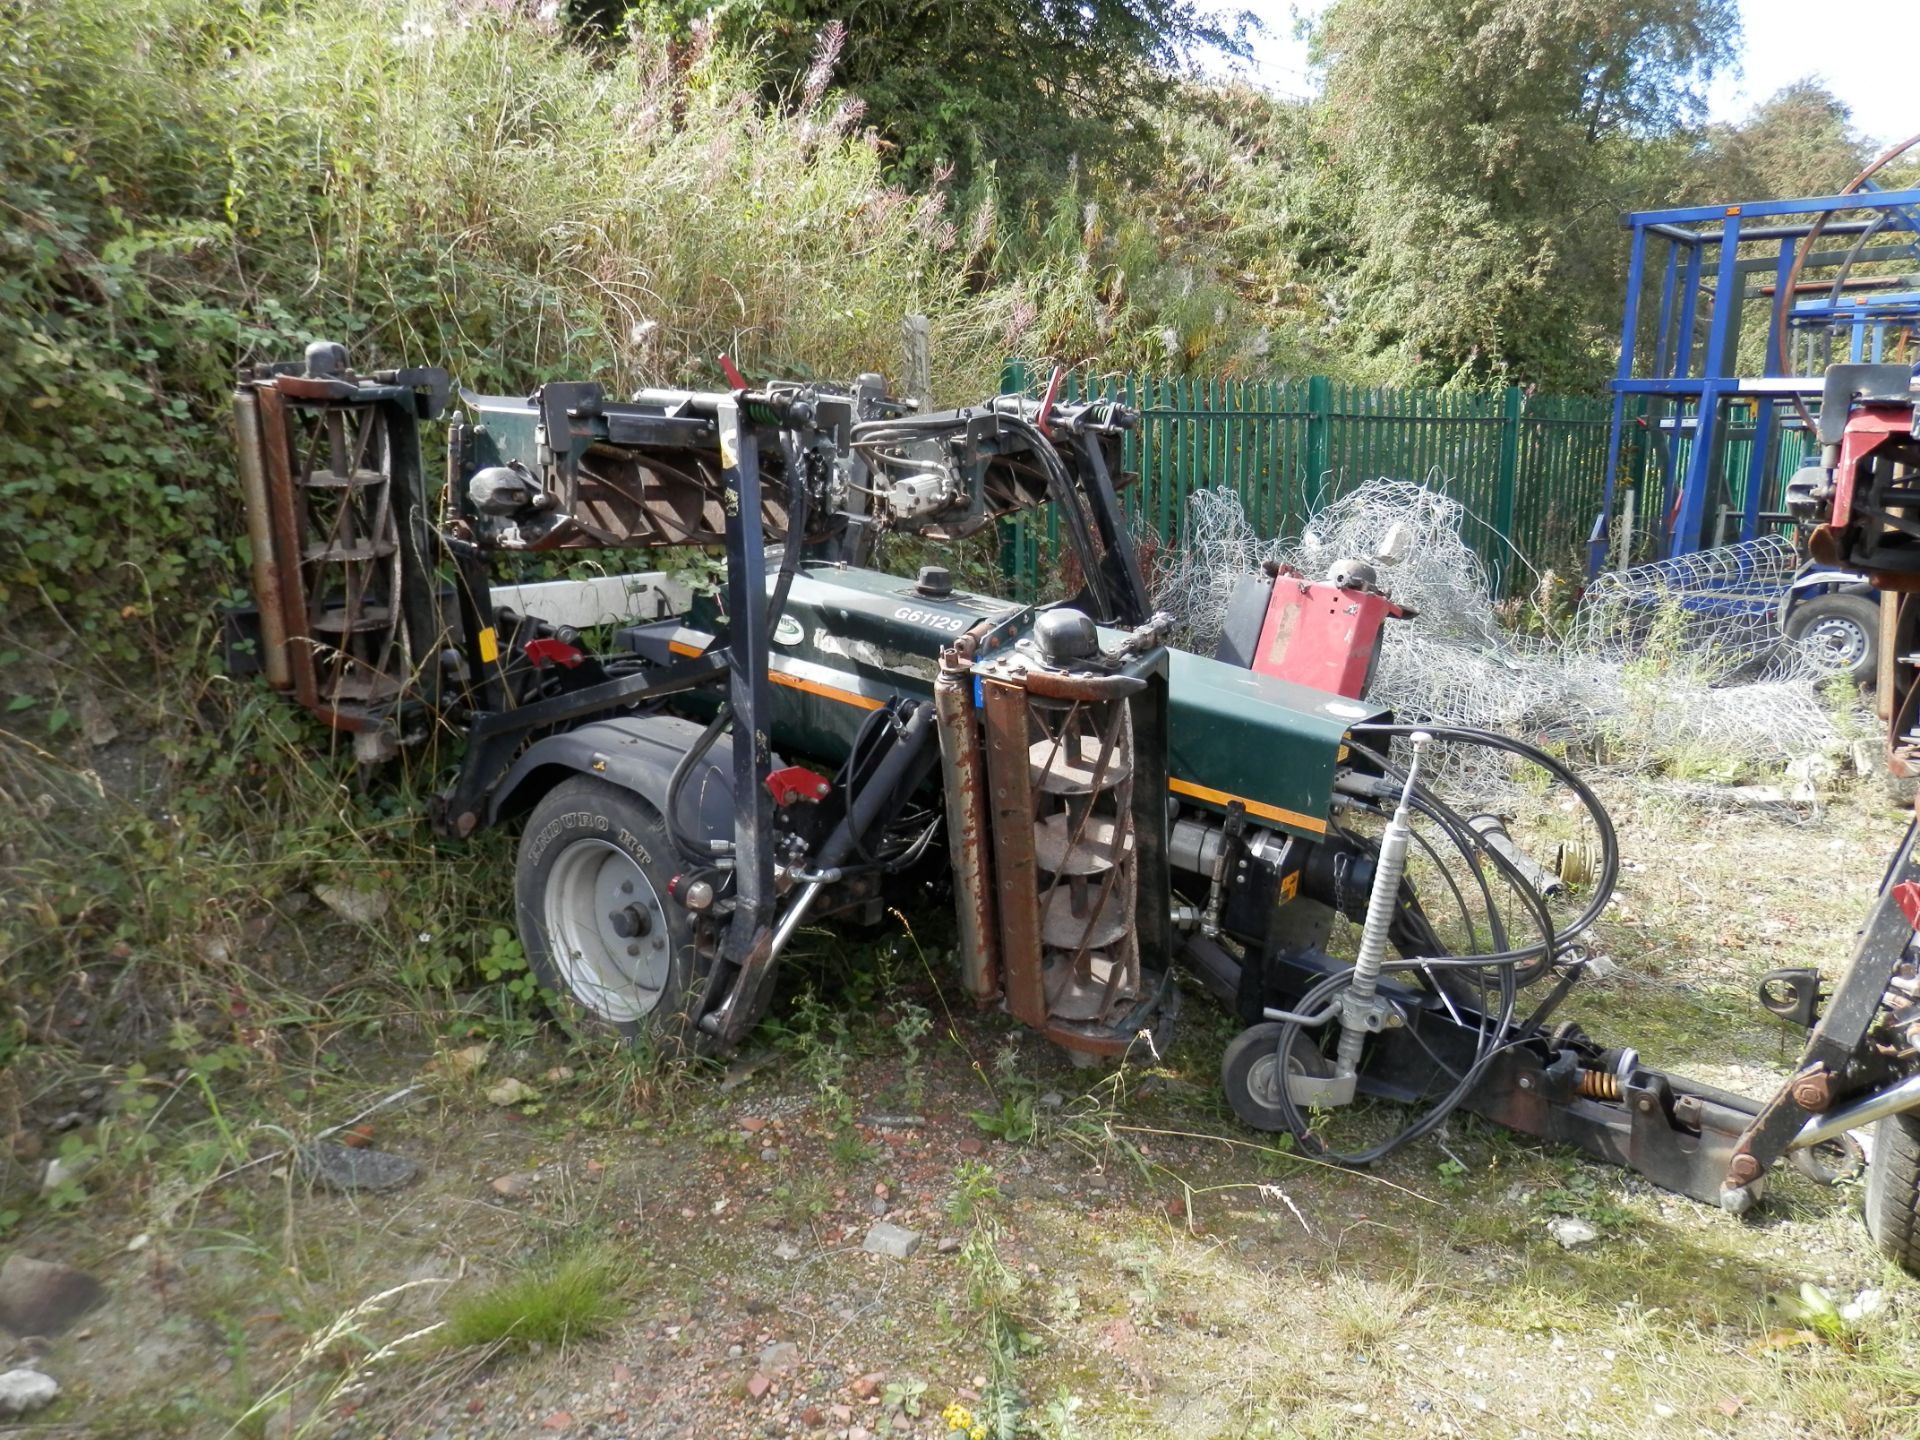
x,y
347,613
1067,833
697,782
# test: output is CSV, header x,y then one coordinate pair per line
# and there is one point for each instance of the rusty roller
x,y
1061,762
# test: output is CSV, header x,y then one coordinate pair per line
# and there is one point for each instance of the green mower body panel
x,y
850,638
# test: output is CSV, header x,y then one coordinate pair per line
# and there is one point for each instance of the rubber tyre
x,y
1246,1069
1893,1190
1839,612
580,829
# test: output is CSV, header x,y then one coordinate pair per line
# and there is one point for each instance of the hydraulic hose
x,y
1360,981
676,783
1602,823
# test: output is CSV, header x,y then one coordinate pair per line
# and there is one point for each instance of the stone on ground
x,y
342,1167
44,1297
23,1391
892,1240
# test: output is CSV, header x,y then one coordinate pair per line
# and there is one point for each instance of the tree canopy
x,y
1800,141
1018,87
1485,147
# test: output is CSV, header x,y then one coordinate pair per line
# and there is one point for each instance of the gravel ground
x,y
1139,1266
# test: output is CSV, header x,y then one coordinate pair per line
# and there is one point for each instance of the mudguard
x,y
637,753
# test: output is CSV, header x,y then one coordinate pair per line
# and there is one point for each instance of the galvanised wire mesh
x,y
1530,467
1636,680
1723,602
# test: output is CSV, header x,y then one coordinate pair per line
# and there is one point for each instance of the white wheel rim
x,y
1263,1076
593,891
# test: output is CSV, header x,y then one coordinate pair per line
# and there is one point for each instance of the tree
x,y
1489,145
1017,88
1800,141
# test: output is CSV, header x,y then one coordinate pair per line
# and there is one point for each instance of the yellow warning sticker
x,y
489,645
1289,886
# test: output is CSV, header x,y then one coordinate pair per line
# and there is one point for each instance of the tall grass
x,y
188,184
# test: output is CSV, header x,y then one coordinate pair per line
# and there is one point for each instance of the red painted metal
x,y
548,651
1319,635
1043,420
1907,896
1867,430
796,782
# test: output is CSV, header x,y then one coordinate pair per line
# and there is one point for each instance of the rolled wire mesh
x,y
1681,658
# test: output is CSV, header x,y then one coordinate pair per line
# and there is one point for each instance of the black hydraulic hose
x,y
676,782
863,739
1492,1041
1486,1052
897,775
1602,823
1469,844
1459,899
797,504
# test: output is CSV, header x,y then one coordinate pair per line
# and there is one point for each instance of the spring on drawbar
x,y
1599,1085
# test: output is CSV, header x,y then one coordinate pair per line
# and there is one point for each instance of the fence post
x,y
1013,532
1319,417
1506,484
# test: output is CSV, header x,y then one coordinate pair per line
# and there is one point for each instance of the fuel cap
x,y
934,580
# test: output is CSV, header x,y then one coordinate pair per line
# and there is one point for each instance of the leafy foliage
x,y
1486,147
1800,141
191,183
1013,92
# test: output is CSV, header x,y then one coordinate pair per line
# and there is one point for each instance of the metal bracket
x,y
1793,994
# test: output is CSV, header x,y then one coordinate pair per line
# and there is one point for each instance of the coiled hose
x,y
1505,961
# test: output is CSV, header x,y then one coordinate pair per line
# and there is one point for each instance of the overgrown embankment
x,y
193,183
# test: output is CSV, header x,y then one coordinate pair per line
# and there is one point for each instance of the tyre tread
x,y
1893,1190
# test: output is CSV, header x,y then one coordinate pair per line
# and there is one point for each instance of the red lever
x,y
1907,896
1042,420
796,782
735,380
548,651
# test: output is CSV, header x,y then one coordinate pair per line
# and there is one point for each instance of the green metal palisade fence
x,y
1529,468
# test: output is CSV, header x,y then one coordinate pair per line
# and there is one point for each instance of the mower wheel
x,y
1844,629
1250,1070
602,934
1893,1190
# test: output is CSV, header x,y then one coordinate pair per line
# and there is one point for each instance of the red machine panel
x,y
1321,635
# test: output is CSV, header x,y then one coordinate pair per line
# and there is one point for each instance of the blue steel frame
x,y
1675,378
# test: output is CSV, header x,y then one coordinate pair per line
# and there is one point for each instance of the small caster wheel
x,y
1250,1070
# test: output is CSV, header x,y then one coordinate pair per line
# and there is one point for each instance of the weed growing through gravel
x,y
575,1299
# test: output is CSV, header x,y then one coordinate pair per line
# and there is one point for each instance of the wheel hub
x,y
1841,641
1267,1077
607,930
631,922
